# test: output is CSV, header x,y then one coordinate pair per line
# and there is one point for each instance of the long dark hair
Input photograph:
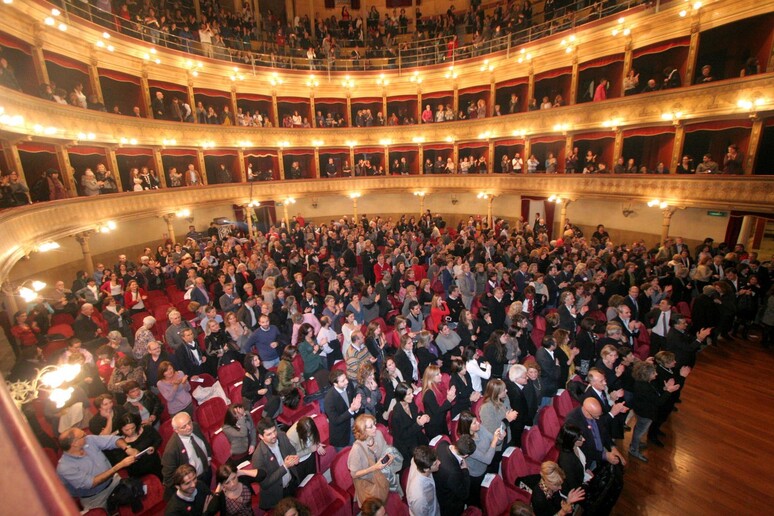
x,y
466,420
494,340
567,437
307,429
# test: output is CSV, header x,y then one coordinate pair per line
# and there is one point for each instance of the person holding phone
x,y
496,410
367,459
486,447
146,440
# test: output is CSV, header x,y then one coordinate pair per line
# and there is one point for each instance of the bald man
x,y
599,446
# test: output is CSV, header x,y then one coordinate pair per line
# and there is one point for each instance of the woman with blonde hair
x,y
436,404
547,498
439,310
367,458
268,290
565,354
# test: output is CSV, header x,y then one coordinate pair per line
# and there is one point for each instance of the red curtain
x,y
11,42
602,61
65,62
168,86
662,47
118,76
649,131
553,73
719,125
86,151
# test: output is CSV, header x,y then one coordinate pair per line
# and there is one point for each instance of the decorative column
x,y
618,145
191,96
242,170
248,210
489,201
456,99
354,197
159,163
38,60
755,138
352,161
574,80
677,148
317,162
169,218
491,158
145,92
563,215
530,91
418,114
233,101
527,152
83,239
286,221
96,87
9,300
112,163
384,106
201,165
693,50
666,221
492,96
275,109
421,196
387,164
312,108
568,144
745,230
66,169
421,159
12,159
281,163
627,62
349,109
456,156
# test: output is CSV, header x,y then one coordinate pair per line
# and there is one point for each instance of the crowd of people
x,y
397,332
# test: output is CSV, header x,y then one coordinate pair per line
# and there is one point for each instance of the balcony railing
x,y
261,49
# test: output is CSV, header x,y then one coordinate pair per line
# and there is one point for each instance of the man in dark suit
x,y
277,457
683,344
498,305
87,329
598,446
229,301
633,302
612,402
199,292
658,322
629,326
514,385
452,480
549,369
249,313
243,275
186,446
342,405
568,315
189,357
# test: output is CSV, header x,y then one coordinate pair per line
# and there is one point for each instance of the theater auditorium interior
x,y
533,240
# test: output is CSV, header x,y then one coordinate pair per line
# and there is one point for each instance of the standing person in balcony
x,y
732,161
600,93
205,37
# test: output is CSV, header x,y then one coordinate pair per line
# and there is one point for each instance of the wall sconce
x,y
314,203
10,120
382,80
253,204
183,213
627,210
289,200
484,195
450,73
354,195
87,137
51,21
385,142
485,135
673,116
30,294
519,133
48,131
236,75
420,194
613,123
148,56
694,9
568,44
454,200
486,66
168,143
317,143
659,204
49,379
415,77
620,29
283,144
312,81
276,80
418,139
106,227
752,106
524,56
47,246
348,82
450,139
244,144
555,199
351,143
562,128
193,67
208,145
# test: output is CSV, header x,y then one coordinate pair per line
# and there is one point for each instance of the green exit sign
x,y
717,213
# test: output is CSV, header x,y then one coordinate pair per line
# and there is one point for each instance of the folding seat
x,y
210,415
290,416
514,466
497,497
230,374
549,424
64,329
395,506
563,405
341,476
221,448
321,498
62,318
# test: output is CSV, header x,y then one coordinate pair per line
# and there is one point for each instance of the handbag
x,y
378,486
392,471
603,489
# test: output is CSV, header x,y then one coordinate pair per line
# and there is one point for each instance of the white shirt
x,y
420,494
477,373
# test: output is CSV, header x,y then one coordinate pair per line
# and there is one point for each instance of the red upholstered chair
x,y
166,432
341,365
472,511
221,448
234,393
323,499
514,466
152,503
230,374
290,416
549,423
395,506
340,474
497,497
63,329
256,413
535,447
62,318
435,441
137,320
385,432
54,348
642,345
210,415
207,379
563,405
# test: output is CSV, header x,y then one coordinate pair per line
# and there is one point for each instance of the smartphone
x,y
386,459
502,428
140,454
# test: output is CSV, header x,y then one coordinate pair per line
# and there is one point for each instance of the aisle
x,y
719,455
